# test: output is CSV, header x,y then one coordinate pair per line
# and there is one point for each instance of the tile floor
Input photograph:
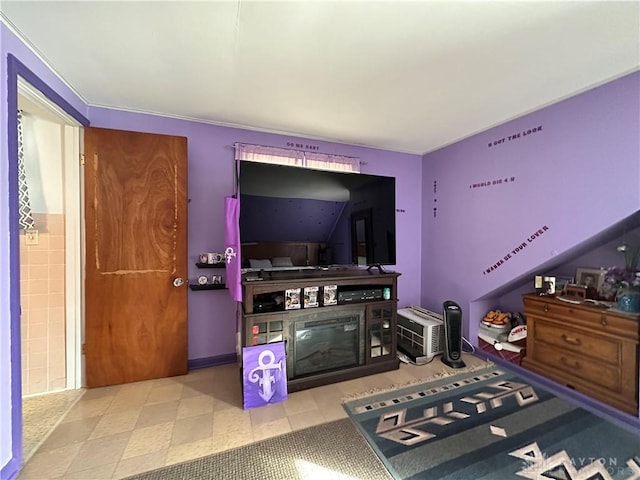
x,y
114,432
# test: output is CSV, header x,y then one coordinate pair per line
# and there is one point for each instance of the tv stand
x,y
352,338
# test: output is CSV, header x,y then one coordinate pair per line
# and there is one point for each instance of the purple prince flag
x,y
232,247
264,375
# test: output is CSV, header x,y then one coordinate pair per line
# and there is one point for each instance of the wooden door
x,y
136,248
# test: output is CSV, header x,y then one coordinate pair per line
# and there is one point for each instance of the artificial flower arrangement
x,y
627,276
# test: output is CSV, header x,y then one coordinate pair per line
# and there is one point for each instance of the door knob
x,y
178,282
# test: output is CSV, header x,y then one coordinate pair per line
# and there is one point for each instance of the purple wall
x,y
24,63
212,314
521,197
572,179
211,176
575,177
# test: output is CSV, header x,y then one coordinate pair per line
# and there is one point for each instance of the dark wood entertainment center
x,y
365,313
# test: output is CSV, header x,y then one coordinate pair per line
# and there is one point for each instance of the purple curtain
x,y
232,247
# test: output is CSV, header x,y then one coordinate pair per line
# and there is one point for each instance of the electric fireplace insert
x,y
326,341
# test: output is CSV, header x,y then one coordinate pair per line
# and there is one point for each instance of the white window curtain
x,y
297,158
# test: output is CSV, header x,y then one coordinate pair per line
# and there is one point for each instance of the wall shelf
x,y
210,265
210,286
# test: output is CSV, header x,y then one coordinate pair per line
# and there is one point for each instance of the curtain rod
x,y
292,149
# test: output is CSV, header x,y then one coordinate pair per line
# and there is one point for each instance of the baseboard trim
x,y
197,363
11,470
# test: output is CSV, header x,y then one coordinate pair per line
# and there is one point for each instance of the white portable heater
x,y
420,333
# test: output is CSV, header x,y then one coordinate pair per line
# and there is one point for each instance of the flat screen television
x,y
315,217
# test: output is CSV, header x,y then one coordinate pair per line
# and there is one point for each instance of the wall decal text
x,y
516,250
435,200
515,136
304,146
492,183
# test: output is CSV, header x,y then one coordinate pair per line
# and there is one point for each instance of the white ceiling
x,y
402,76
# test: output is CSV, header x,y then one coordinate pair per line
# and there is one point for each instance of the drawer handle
x,y
571,340
603,321
546,307
566,362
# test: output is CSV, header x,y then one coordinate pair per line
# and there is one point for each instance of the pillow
x,y
266,263
281,262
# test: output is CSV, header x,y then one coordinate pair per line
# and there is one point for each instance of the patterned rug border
x,y
540,432
397,386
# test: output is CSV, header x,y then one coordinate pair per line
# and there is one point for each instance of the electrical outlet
x,y
31,237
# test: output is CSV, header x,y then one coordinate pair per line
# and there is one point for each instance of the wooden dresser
x,y
587,348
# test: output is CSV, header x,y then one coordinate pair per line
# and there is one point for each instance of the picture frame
x,y
562,282
591,278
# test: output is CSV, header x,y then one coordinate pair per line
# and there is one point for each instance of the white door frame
x,y
74,238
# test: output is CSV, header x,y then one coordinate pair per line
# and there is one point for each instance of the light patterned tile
x,y
101,392
226,441
189,416
88,407
130,395
227,395
333,412
327,394
100,451
196,405
164,393
351,387
201,387
158,413
113,423
200,375
271,429
227,421
306,419
141,463
299,402
268,413
148,440
189,451
191,429
195,389
122,405
229,373
50,463
102,472
70,433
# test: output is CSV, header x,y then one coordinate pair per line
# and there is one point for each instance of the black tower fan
x,y
452,355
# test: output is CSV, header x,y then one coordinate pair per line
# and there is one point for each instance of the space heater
x,y
452,315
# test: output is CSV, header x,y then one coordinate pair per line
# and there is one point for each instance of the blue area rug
x,y
491,424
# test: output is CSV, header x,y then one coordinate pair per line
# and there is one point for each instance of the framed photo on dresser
x,y
592,279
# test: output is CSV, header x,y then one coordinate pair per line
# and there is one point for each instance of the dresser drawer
x,y
575,340
576,366
587,316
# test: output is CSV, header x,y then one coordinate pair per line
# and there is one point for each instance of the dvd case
x,y
311,297
292,298
330,295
